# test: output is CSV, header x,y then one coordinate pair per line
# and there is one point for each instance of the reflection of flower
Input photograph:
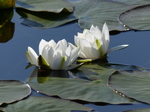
x,y
94,44
55,56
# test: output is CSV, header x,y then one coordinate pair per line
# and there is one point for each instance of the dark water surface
x,y
13,59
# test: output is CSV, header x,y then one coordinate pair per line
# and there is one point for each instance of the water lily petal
x,y
58,63
42,45
29,57
84,31
71,45
68,55
82,55
64,44
92,28
80,35
105,31
97,33
51,57
44,52
117,48
33,56
52,43
74,55
90,37
76,40
85,48
105,37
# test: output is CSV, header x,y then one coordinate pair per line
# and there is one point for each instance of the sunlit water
x,y
13,59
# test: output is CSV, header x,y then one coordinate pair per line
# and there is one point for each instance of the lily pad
x,y
6,32
44,19
134,2
133,84
138,110
7,4
45,104
12,90
55,6
6,26
136,18
92,87
98,12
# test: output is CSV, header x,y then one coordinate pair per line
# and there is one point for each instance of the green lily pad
x,y
44,19
134,2
136,18
7,4
138,110
11,91
133,84
44,104
92,87
55,6
98,12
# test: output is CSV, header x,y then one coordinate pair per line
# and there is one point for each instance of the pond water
x,y
13,59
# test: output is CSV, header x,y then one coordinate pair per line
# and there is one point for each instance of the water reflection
x,y
40,75
6,26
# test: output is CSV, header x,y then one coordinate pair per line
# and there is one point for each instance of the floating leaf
x,y
6,32
55,6
7,3
93,88
11,91
44,104
138,110
134,2
44,19
6,26
98,12
133,84
136,18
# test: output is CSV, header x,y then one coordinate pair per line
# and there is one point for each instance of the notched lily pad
x,y
12,90
133,84
136,18
98,12
92,86
55,6
45,104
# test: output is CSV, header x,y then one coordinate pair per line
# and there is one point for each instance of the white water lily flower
x,y
52,55
94,44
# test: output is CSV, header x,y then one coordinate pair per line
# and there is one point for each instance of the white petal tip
x,y
118,48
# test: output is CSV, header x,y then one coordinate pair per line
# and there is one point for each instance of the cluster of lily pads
x,y
94,81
